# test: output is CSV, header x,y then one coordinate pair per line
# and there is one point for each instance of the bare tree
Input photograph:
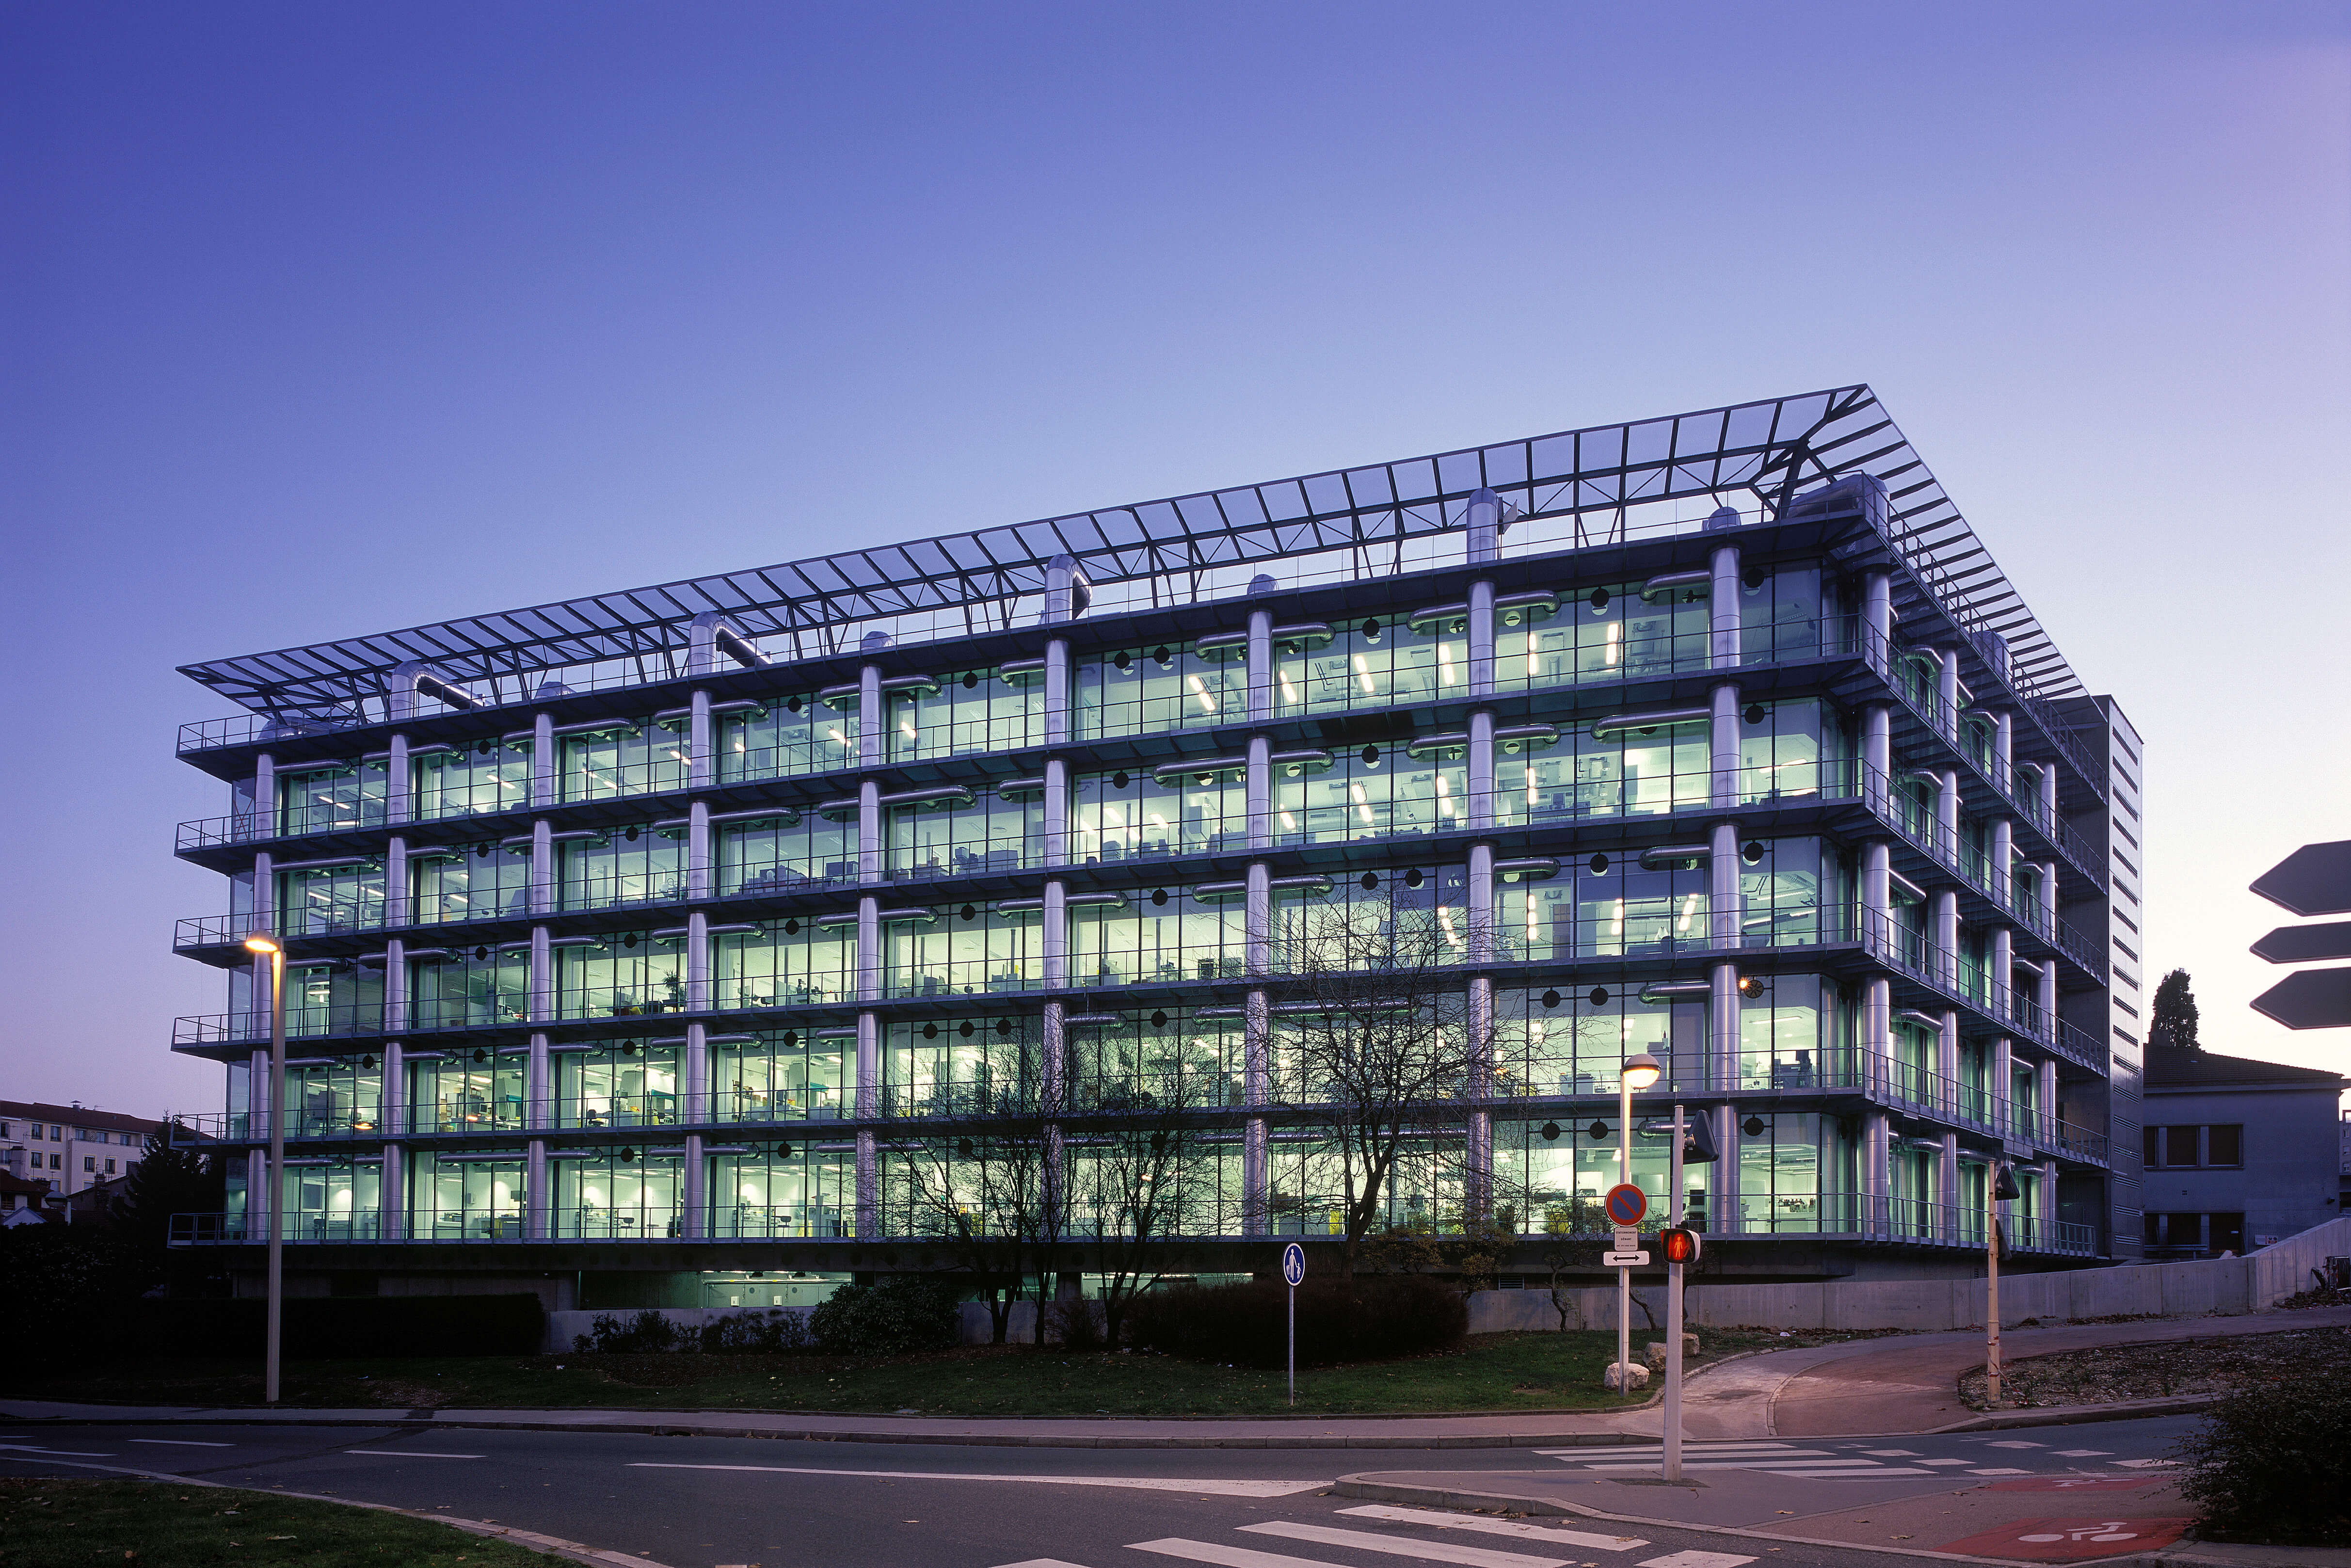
x,y
1379,1048
1138,1172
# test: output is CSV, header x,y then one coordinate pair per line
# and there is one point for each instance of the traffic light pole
x,y
1674,1313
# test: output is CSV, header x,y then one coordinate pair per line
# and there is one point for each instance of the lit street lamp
x,y
1639,1071
273,1192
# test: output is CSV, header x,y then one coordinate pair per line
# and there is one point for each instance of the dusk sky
x,y
326,319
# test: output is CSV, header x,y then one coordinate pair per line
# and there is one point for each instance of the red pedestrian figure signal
x,y
1680,1245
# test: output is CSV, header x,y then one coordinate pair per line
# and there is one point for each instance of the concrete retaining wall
x,y
2248,1284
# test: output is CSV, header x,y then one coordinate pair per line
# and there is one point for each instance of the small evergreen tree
x,y
2174,1021
168,1179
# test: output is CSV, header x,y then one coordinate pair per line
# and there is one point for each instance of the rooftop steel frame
x,y
1771,449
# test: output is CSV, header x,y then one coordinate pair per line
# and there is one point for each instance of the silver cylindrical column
x,y
1947,815
1257,792
1055,813
1877,758
1878,621
535,1206
542,975
869,949
1946,915
1257,917
870,860
539,1085
1946,1182
2046,1086
2004,1070
544,785
1723,733
697,964
700,862
1722,1027
2001,874
1878,894
1477,1152
1722,609
1482,639
1877,1173
540,899
1999,965
1257,1089
696,1217
872,722
1260,666
1483,518
1479,769
1947,1062
1053,935
1726,906
2003,751
399,783
395,881
701,745
1057,707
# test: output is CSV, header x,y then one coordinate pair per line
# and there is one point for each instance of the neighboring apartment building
x,y
649,940
2238,1154
69,1146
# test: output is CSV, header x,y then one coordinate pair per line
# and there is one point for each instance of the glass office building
x,y
668,934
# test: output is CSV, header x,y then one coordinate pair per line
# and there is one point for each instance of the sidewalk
x,y
1861,1386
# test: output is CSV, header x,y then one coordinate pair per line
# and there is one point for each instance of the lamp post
x,y
1640,1070
274,1191
2001,1185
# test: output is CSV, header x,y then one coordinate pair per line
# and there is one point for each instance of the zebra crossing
x,y
1536,1544
1798,1460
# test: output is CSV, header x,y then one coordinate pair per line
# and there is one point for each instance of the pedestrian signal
x,y
1680,1244
1697,1144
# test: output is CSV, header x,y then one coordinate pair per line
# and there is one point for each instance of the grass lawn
x,y
58,1524
1488,1373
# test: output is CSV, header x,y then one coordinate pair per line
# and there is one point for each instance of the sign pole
x,y
1293,1271
1623,1275
1991,1288
1674,1314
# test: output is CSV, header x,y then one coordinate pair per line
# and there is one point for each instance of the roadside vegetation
x,y
62,1523
2171,1368
1510,1372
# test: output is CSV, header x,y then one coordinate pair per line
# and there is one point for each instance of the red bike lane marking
x,y
2074,1483
2069,1539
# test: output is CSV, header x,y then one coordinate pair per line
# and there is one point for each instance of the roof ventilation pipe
x,y
1261,585
710,634
1720,519
1068,594
414,679
1486,522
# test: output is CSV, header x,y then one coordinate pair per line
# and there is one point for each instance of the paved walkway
x,y
1882,1386
1911,1383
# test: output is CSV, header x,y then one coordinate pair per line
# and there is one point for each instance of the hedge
x,y
2270,1466
1373,1319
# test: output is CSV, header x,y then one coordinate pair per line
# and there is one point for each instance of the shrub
x,y
895,1315
1076,1324
752,1333
1338,1321
2269,1466
650,1329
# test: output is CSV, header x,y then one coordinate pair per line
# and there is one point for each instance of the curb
x,y
934,1440
550,1545
2068,1414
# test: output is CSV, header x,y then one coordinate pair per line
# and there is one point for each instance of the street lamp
x,y
1640,1069
274,1191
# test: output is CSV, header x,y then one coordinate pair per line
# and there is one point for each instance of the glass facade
x,y
997,923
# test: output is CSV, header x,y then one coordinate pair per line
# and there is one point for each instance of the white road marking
x,y
410,1454
1496,1527
1697,1560
1144,1483
1722,1448
180,1443
1892,1453
2084,1453
2000,1472
1767,1464
1225,1556
2145,1464
1942,1461
2015,1443
1428,1551
1849,1475
1041,1562
62,1453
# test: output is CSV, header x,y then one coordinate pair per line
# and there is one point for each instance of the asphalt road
x,y
704,1502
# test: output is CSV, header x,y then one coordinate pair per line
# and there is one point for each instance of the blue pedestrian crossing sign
x,y
1293,1263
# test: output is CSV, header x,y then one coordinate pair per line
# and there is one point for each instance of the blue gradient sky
x,y
326,319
